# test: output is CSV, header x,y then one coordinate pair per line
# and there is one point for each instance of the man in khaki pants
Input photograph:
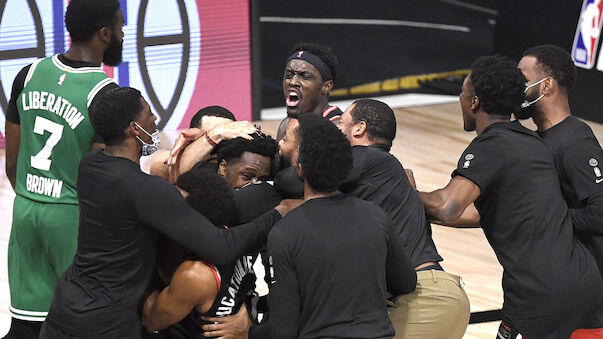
x,y
439,307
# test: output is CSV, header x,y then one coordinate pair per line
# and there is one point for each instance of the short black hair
x,y
555,62
325,154
233,149
310,120
325,53
498,84
208,194
212,111
379,118
85,17
113,111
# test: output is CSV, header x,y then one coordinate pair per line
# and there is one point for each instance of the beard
x,y
284,162
113,53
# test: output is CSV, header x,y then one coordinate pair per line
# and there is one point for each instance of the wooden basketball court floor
x,y
429,141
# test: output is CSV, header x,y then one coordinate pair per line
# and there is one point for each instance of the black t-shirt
x,y
579,160
122,210
288,184
526,221
251,201
12,113
379,177
332,260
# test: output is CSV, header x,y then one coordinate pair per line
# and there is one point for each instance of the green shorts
x,y
42,243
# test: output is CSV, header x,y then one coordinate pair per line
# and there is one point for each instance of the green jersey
x,y
56,131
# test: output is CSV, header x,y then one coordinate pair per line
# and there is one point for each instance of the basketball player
x,y
334,255
122,212
439,307
551,75
47,133
309,77
245,166
198,287
550,282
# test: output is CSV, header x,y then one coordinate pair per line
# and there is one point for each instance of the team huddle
x,y
101,249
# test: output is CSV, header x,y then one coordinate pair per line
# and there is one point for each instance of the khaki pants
x,y
438,308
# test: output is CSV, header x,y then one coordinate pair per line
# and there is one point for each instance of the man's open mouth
x,y
293,99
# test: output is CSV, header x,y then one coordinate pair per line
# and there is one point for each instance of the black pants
x,y
23,329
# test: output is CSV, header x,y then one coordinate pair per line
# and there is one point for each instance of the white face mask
x,y
529,103
148,149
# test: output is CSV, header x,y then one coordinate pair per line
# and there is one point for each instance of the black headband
x,y
321,66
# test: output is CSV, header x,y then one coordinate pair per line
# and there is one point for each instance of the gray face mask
x,y
148,149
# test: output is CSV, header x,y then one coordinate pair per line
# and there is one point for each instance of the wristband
x,y
211,142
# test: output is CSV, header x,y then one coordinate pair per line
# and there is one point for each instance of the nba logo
x,y
586,39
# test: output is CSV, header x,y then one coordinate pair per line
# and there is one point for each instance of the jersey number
x,y
42,159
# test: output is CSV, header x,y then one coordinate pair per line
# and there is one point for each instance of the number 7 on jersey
x,y
42,160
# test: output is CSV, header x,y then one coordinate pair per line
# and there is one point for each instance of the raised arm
x,y
204,143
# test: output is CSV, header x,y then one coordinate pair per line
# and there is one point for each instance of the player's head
x,y
208,193
494,86
211,111
121,113
289,144
369,119
100,21
549,70
309,76
325,155
241,161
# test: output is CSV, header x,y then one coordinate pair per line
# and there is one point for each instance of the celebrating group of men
x,y
101,249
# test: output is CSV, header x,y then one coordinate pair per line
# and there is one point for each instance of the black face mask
x,y
528,108
527,112
113,53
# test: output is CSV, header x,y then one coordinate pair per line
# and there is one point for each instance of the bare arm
x,y
469,219
282,128
201,147
161,169
193,284
448,204
13,139
411,177
198,150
